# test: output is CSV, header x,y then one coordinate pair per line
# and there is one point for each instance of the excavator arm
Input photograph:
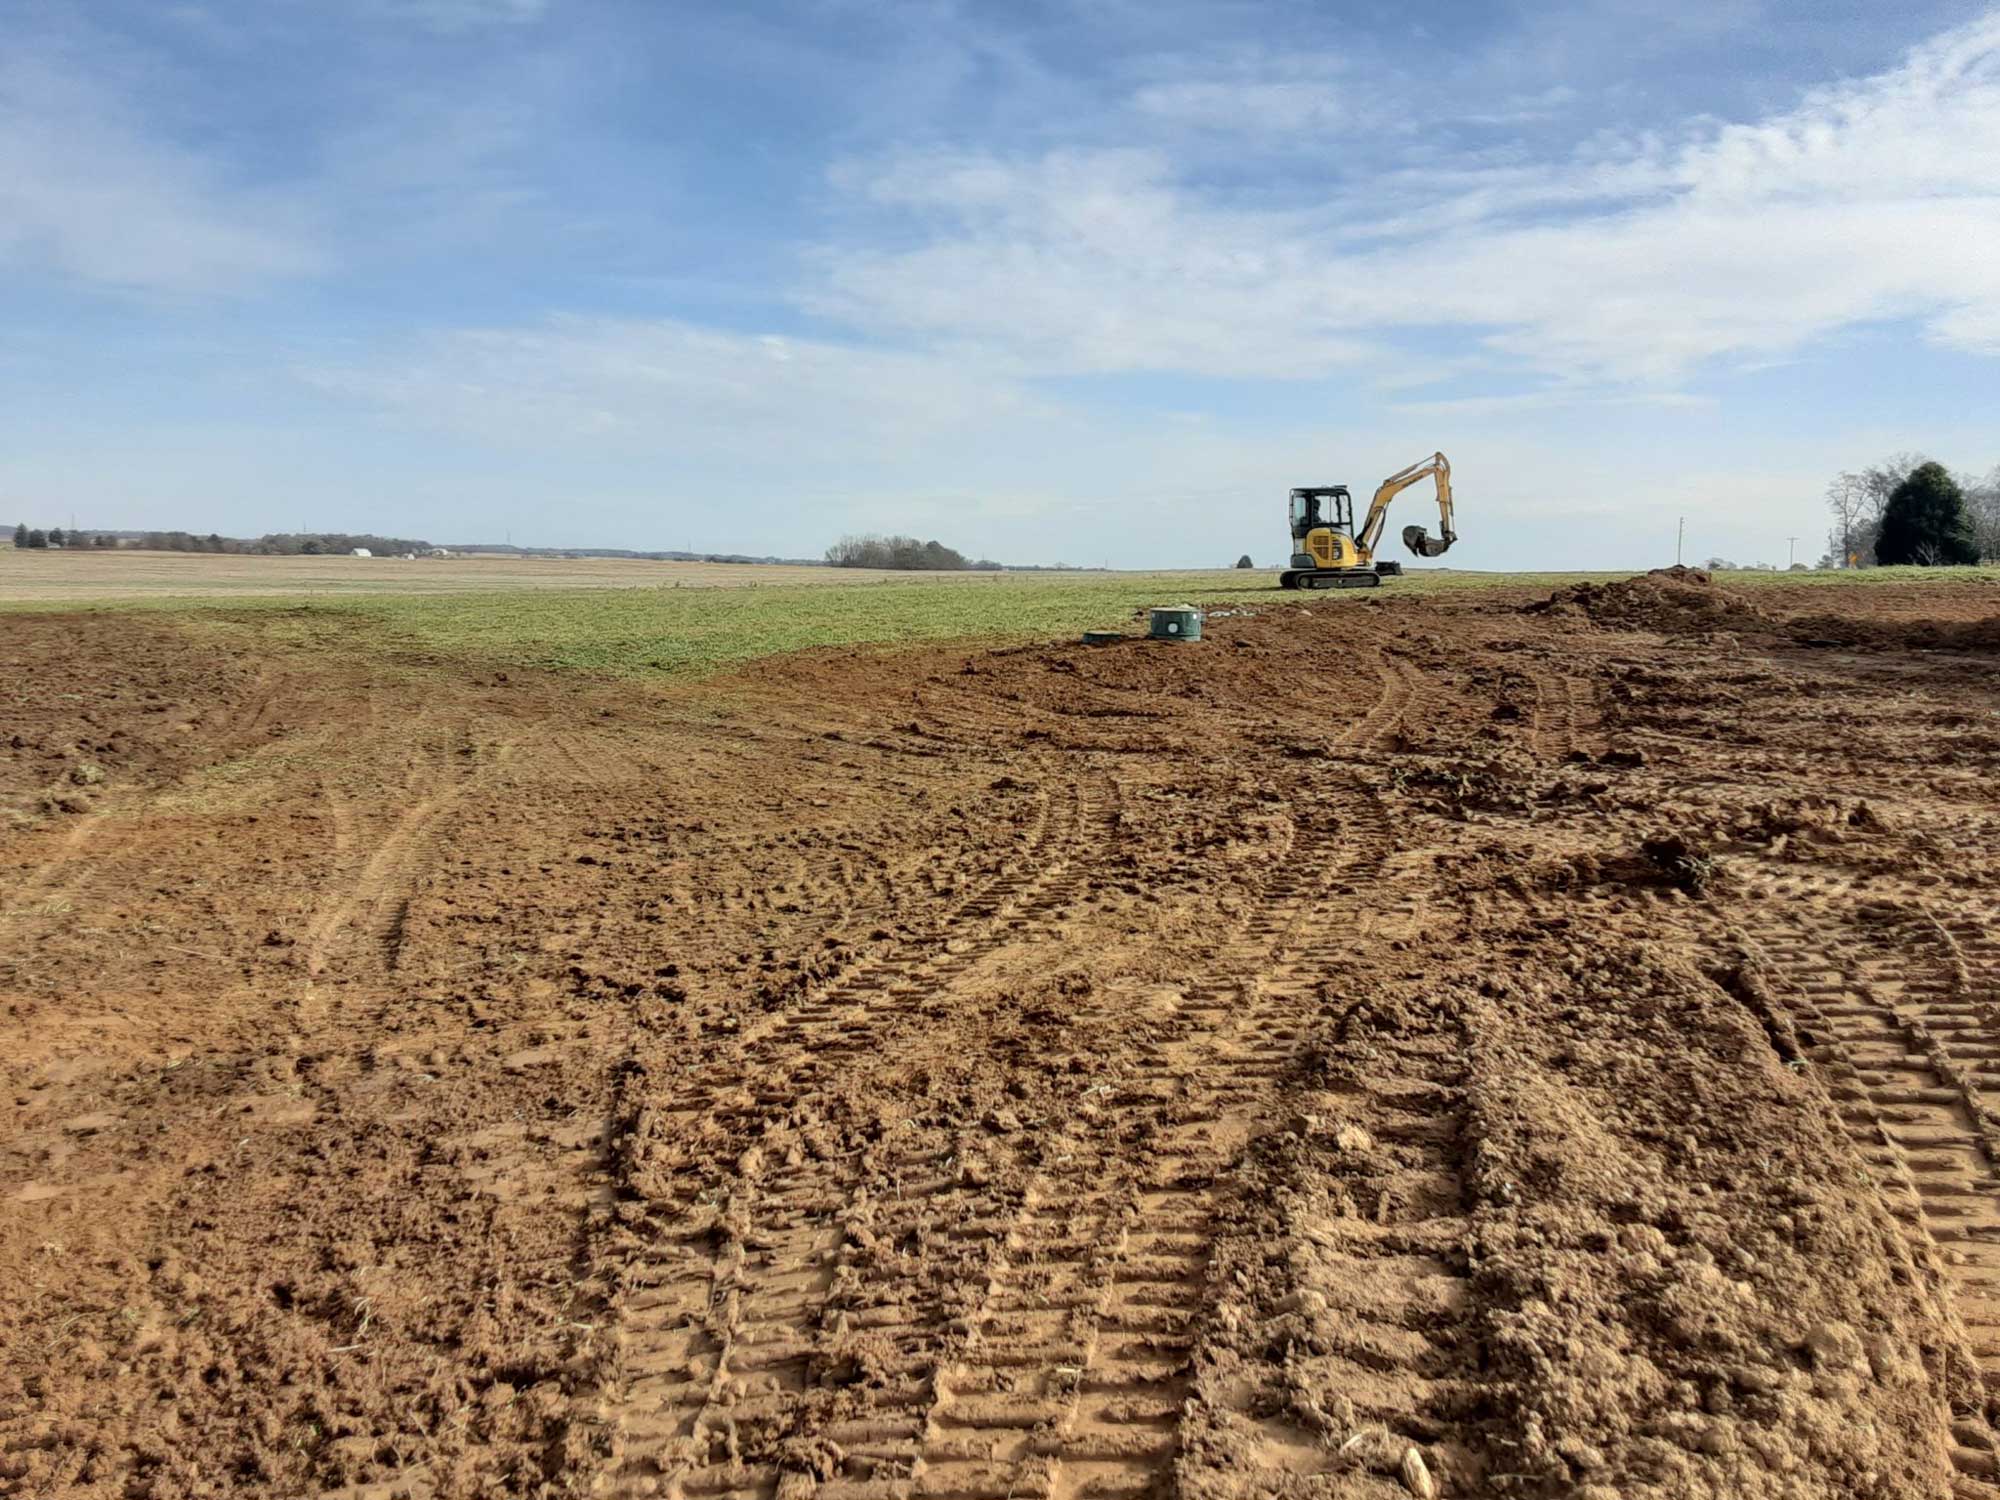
x,y
1414,537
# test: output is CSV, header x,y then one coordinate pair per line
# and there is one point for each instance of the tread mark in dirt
x,y
1076,1373
1901,1041
722,1329
375,900
1396,1274
54,885
1399,690
1554,733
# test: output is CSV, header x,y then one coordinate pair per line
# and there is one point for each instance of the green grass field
x,y
684,631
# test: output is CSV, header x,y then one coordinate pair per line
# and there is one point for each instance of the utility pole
x,y
1791,551
1680,536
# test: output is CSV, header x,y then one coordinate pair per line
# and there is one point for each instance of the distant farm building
x,y
360,552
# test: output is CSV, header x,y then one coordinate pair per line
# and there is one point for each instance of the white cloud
x,y
88,189
1872,200
664,385
1091,262
1258,92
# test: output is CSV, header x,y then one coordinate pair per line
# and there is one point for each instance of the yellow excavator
x,y
1329,553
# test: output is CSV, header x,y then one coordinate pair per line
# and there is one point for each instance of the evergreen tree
x,y
56,537
1926,522
21,534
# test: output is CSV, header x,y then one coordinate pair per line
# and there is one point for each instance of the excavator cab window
x,y
1312,509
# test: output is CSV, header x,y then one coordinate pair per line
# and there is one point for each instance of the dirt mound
x,y
1670,601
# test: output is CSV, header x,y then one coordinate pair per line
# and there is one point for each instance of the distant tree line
x,y
27,539
904,553
307,544
1911,509
315,543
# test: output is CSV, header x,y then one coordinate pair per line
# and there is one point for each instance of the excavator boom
x,y
1415,538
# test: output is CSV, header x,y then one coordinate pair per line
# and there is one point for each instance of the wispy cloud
x,y
659,384
1638,261
88,190
1266,93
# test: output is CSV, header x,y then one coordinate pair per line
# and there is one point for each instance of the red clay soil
x,y
1496,1046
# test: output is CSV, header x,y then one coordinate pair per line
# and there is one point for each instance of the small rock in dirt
x,y
1580,1455
1835,1346
1417,1475
1352,1138
89,1124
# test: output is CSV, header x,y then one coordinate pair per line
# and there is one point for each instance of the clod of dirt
x,y
1686,864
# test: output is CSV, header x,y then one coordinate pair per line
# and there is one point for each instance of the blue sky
x,y
1094,281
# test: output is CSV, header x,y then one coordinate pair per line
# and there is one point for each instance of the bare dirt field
x,y
1493,1044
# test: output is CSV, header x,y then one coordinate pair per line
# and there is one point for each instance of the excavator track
x,y
1358,578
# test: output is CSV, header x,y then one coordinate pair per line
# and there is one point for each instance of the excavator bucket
x,y
1421,543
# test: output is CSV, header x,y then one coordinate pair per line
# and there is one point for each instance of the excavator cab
x,y
1311,509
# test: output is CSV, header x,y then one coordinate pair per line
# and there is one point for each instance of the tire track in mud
x,y
369,909
721,1325
1073,1359
1564,707
1392,1278
1402,691
53,885
1075,1369
1913,1055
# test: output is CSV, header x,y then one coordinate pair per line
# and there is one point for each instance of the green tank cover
x,y
1179,624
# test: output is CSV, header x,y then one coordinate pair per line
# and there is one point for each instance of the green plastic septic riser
x,y
1174,624
1103,637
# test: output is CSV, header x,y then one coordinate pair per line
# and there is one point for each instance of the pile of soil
x,y
1670,601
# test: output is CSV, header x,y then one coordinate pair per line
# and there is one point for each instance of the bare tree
x,y
1982,502
1847,499
1882,480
